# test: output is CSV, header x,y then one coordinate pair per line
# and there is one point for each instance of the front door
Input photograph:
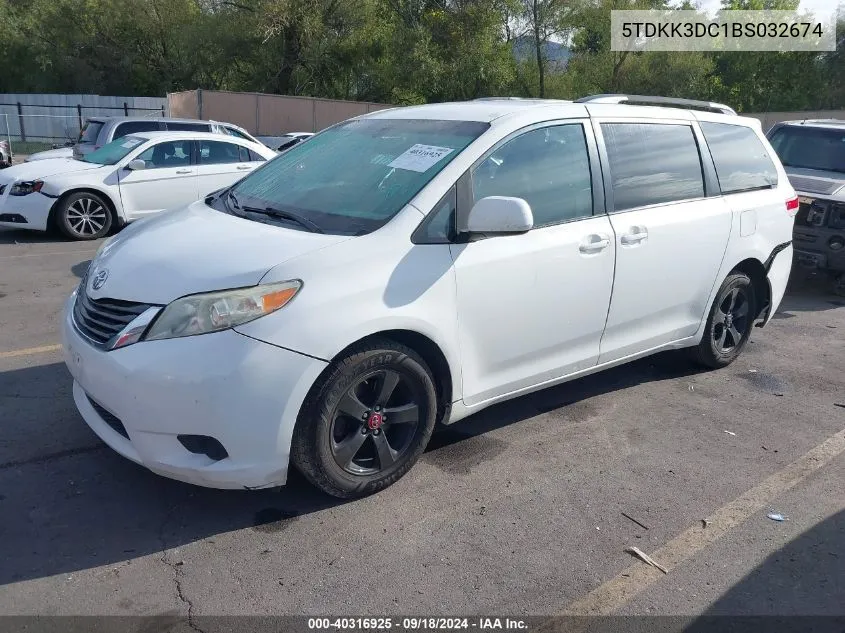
x,y
168,180
532,307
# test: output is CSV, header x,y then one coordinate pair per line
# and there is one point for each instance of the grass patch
x,y
30,147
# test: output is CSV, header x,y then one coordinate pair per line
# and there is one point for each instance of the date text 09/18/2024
x,y
416,624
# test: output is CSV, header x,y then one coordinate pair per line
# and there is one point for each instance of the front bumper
x,y
34,209
244,393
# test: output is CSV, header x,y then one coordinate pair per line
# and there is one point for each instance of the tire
x,y
350,440
839,285
83,216
724,338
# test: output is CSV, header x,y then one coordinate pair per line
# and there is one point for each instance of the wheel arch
x,y
430,352
117,219
756,271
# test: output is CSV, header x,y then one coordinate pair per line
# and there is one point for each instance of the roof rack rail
x,y
690,104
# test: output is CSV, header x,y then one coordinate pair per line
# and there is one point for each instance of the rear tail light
x,y
792,206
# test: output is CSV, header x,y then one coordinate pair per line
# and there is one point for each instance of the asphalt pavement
x,y
516,510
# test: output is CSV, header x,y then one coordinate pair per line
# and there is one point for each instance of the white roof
x,y
176,135
490,110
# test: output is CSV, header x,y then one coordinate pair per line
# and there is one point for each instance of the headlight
x,y
215,311
26,188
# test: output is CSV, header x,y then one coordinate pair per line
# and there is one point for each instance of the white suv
x,y
416,265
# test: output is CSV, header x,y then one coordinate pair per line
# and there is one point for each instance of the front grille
x,y
109,418
101,319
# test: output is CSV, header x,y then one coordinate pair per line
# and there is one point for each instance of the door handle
x,y
244,167
594,243
635,235
184,171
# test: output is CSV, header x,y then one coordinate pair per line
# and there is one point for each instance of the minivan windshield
x,y
89,132
352,178
111,153
810,147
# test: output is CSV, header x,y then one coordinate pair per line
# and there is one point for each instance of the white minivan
x,y
413,266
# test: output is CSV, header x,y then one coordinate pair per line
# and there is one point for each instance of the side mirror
x,y
135,165
500,215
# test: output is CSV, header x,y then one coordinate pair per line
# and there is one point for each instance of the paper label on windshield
x,y
130,143
420,157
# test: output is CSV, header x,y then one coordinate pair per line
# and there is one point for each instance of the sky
x,y
819,7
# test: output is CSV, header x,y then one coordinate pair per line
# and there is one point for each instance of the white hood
x,y
61,152
196,249
40,169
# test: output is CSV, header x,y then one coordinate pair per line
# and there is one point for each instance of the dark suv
x,y
813,153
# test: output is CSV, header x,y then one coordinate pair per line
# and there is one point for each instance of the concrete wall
x,y
266,114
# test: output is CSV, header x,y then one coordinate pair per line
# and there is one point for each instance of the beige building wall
x,y
266,114
271,115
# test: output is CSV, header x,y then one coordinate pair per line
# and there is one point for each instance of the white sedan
x,y
127,179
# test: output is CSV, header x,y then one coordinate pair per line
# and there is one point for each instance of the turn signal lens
x,y
792,206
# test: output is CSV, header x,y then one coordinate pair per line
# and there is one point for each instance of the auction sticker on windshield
x,y
420,157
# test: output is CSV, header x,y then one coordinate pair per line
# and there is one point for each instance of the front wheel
x,y
729,323
83,216
367,421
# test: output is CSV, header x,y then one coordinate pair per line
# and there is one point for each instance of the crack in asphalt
x,y
40,459
178,573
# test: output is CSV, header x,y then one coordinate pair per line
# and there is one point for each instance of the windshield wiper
x,y
286,215
275,213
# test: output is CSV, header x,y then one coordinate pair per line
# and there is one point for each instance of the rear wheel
x,y
83,216
367,421
729,323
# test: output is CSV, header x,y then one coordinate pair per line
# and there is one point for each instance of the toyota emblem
x,y
100,279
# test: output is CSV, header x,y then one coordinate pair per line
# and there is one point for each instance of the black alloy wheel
x,y
366,421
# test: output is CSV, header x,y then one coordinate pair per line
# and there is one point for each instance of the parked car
x,y
286,141
99,131
813,153
5,155
414,266
132,177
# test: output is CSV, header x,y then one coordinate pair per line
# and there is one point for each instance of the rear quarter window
x,y
133,127
178,126
742,161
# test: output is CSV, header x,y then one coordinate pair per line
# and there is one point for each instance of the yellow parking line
x,y
616,592
30,350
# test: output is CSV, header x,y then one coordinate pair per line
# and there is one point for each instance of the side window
x,y
255,158
133,127
167,154
288,144
243,154
548,167
236,133
439,227
174,126
218,152
742,162
652,163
